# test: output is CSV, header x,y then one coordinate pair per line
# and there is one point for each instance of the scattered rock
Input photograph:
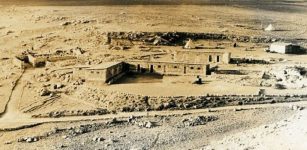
x,y
29,139
199,120
296,107
9,32
62,146
237,109
131,119
44,92
98,139
146,124
66,23
78,51
58,86
8,142
111,141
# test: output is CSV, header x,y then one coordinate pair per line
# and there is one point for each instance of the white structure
x,y
189,45
285,48
269,28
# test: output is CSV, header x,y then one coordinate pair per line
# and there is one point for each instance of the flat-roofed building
x,y
201,56
285,48
169,68
104,72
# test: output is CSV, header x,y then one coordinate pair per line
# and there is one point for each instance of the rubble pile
x,y
56,114
68,132
199,120
146,124
76,22
124,102
296,107
289,77
177,38
44,92
28,139
113,100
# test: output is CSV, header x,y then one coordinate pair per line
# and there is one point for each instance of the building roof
x,y
166,62
282,44
82,66
103,66
202,51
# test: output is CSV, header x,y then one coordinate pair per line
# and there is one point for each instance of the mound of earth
x,y
289,77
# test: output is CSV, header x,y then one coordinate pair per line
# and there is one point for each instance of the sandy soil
x,y
46,29
289,133
167,128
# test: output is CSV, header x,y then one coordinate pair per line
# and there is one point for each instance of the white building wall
x,y
278,48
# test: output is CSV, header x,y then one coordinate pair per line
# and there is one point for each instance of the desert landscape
x,y
153,75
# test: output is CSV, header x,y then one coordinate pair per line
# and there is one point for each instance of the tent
x,y
190,45
269,28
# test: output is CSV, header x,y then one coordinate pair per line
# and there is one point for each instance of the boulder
x,y
44,92
58,86
98,139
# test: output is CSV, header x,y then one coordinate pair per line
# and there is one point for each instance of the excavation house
x,y
106,72
200,56
169,68
285,48
38,60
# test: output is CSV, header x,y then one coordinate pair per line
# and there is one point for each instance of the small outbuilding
x,y
285,48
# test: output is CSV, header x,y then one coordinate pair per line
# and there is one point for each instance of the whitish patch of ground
x,y
288,134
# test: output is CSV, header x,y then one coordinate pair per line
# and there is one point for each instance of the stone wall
x,y
200,56
19,63
37,61
40,60
168,68
113,71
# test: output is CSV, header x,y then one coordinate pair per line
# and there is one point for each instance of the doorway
x,y
208,71
151,69
138,68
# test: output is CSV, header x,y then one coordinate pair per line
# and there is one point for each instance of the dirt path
x,y
21,121
11,109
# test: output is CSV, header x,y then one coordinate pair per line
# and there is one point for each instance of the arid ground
x,y
90,115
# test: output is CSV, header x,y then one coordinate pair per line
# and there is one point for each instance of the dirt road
x,y
19,120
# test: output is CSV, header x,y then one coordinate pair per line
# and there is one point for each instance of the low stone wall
x,y
124,102
247,61
57,114
19,63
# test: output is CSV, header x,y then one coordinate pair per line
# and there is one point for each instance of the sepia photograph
x,y
153,74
